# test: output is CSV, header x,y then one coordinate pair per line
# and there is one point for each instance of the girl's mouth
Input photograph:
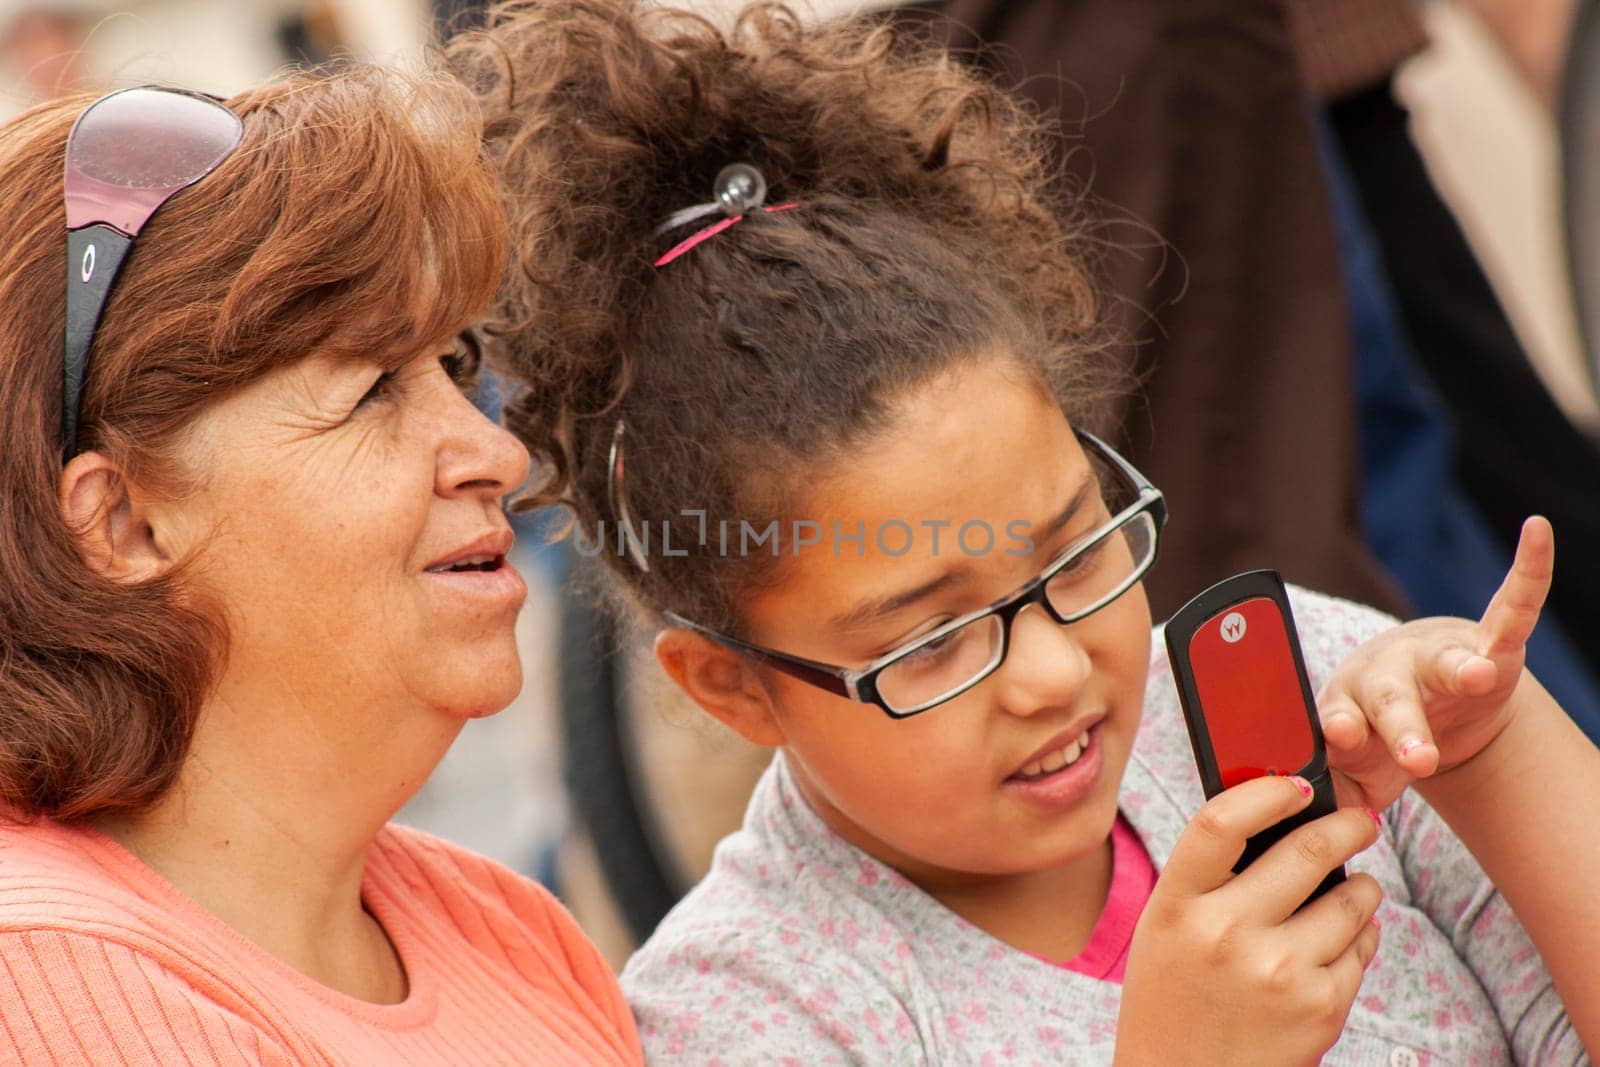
x,y
1063,776
1052,762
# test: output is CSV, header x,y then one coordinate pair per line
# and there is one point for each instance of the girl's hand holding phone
x,y
1424,698
1223,969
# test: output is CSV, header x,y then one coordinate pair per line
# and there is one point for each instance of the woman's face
x,y
349,523
947,793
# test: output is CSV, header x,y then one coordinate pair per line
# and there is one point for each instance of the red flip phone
x,y
1246,698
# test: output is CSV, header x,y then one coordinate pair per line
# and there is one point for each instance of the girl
x,y
813,359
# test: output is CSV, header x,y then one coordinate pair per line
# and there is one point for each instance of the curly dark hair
x,y
929,232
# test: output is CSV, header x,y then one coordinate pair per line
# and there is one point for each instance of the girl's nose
x,y
1045,667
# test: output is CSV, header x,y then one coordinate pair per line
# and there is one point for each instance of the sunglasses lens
x,y
151,139
127,154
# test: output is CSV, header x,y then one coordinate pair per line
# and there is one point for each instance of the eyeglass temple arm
x,y
818,674
94,256
1115,458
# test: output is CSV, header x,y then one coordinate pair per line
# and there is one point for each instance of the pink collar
x,y
1133,877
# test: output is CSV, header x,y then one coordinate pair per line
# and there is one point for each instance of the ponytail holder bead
x,y
738,189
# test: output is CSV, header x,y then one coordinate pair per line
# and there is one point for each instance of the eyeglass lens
x,y
1092,579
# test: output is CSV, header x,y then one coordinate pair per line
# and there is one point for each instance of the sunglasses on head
x,y
128,153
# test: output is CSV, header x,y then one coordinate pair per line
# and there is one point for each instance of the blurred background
x,y
599,780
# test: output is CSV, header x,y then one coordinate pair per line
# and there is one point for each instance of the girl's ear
x,y
105,512
721,682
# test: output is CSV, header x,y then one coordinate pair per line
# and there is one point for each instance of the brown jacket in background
x,y
1199,127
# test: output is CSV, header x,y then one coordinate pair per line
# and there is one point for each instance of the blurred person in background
x,y
40,44
255,584
1533,34
228,45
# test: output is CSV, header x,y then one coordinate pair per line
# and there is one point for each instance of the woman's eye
x,y
457,366
463,363
378,390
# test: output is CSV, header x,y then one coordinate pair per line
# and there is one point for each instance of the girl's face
x,y
948,793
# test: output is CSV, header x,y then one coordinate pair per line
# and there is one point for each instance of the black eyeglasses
x,y
951,659
127,154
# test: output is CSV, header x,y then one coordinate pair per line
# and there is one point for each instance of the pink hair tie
x,y
711,231
737,190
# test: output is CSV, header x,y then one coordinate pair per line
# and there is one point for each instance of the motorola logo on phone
x,y
1232,628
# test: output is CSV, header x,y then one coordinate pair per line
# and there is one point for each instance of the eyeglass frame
x,y
861,684
102,214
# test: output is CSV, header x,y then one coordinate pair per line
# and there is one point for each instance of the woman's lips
x,y
490,546
499,585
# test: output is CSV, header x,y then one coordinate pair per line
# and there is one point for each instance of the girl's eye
x,y
379,389
926,628
933,649
1080,566
936,653
1084,560
1083,570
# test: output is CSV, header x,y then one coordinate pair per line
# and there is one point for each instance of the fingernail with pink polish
x,y
1377,819
1301,784
1410,745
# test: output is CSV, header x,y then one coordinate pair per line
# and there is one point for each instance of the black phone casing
x,y
1246,699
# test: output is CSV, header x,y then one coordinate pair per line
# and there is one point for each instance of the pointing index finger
x,y
1514,609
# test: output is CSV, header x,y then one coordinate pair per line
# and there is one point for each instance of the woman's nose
x,y
477,454
1045,667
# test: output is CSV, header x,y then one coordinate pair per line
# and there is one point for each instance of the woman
x,y
807,332
255,584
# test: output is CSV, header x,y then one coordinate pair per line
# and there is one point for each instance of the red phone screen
x,y
1254,707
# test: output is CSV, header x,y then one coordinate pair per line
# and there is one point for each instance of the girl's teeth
x,y
1056,760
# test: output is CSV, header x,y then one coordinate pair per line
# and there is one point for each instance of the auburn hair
x,y
929,231
359,218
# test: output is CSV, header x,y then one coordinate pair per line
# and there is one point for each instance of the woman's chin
x,y
499,700
480,688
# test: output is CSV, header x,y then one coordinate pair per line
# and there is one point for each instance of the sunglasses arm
x,y
94,255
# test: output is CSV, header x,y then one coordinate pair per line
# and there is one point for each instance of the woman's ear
x,y
105,512
721,682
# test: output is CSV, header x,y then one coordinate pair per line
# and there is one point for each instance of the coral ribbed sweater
x,y
104,962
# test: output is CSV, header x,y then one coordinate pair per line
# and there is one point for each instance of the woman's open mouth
x,y
471,563
481,573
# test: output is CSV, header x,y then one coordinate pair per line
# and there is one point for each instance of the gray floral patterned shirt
x,y
798,948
